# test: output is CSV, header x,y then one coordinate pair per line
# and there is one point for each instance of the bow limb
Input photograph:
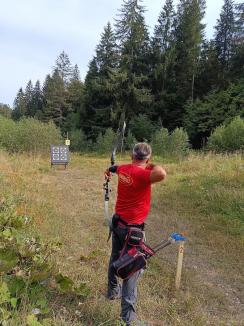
x,y
106,187
106,213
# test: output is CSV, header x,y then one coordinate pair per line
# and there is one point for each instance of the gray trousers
x,y
128,291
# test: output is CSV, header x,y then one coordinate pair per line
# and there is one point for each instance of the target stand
x,y
59,155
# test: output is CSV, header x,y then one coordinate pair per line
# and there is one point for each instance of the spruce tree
x,y
100,98
189,35
163,31
29,99
224,38
75,74
163,61
63,66
106,52
37,101
132,79
189,38
239,23
55,105
19,108
75,103
237,60
207,79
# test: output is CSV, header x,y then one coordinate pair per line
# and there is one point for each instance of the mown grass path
x,y
202,196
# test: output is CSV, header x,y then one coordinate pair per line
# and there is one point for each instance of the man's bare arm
x,y
158,173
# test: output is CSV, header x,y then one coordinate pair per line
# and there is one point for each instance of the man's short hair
x,y
142,151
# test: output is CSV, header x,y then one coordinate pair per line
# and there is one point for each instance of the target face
x,y
59,154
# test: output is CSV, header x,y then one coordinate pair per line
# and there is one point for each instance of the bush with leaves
x,y
160,142
28,135
27,266
228,138
203,116
78,141
175,144
105,143
8,134
5,110
179,142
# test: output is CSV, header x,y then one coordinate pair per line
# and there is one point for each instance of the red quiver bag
x,y
133,255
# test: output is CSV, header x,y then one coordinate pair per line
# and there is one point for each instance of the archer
x,y
131,211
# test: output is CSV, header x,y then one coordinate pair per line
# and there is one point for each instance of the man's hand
x,y
108,175
109,172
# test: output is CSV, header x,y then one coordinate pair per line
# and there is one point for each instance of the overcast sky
x,y
34,32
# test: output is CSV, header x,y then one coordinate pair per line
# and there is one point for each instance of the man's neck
x,y
142,164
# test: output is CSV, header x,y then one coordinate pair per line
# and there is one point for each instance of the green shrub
x,y
228,138
105,143
27,266
179,142
175,144
78,141
28,135
5,110
160,142
8,134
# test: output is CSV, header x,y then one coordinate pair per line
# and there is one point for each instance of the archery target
x,y
59,155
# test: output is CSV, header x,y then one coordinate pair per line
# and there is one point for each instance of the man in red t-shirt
x,y
132,208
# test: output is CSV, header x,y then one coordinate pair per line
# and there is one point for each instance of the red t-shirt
x,y
134,193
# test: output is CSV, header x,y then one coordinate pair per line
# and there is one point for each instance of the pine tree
x,y
132,79
55,105
19,109
63,66
239,23
100,98
237,60
29,99
163,61
106,52
75,74
163,32
224,38
75,102
37,101
188,40
207,79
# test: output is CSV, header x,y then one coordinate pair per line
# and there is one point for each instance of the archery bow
x,y
106,186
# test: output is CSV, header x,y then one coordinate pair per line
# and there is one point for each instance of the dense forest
x,y
175,78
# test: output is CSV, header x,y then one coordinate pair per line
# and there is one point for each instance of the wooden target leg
x,y
179,265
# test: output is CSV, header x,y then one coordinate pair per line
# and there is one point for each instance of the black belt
x,y
117,219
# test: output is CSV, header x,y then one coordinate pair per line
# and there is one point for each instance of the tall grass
x,y
202,195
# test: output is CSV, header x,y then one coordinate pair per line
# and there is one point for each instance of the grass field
x,y
203,197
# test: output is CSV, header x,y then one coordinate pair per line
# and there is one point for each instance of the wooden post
x,y
179,265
